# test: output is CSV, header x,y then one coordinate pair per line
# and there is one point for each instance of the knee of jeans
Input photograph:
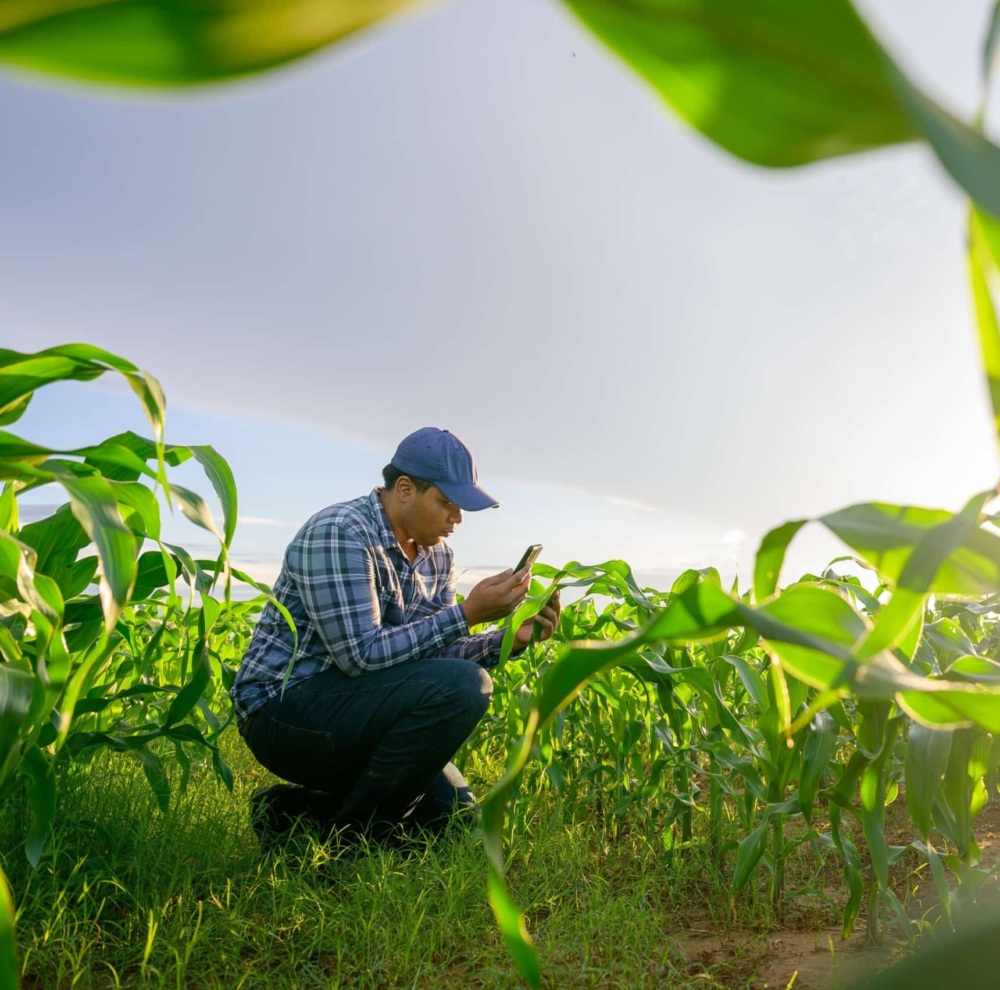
x,y
476,688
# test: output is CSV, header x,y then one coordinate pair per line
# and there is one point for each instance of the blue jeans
x,y
372,751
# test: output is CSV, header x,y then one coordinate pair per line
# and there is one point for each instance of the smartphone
x,y
529,556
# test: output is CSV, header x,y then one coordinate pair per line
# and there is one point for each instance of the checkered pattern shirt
x,y
358,604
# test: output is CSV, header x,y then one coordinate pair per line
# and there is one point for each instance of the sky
x,y
476,218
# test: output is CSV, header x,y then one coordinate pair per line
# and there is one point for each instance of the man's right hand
x,y
497,596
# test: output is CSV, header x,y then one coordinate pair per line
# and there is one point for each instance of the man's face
x,y
432,518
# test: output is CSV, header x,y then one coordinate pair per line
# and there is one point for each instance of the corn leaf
x,y
984,275
973,951
750,850
770,557
886,536
775,82
16,690
991,42
221,476
781,82
9,969
926,761
175,42
40,775
821,743
968,157
919,576
156,774
96,509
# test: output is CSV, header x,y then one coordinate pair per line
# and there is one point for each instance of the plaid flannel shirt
x,y
358,604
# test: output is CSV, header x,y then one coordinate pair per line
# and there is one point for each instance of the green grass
x,y
129,897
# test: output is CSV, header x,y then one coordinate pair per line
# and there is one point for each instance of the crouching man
x,y
386,682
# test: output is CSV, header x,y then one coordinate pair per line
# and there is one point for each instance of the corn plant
x,y
823,653
98,645
775,82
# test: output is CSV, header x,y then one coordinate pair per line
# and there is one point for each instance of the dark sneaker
x,y
277,812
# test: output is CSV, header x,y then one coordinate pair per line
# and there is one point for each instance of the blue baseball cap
x,y
442,459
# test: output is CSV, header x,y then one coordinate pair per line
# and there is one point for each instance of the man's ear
x,y
404,488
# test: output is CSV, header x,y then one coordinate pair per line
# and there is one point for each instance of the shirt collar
x,y
386,536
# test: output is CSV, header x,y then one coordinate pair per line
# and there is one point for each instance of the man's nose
x,y
456,516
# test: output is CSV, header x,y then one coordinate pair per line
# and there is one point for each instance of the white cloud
x,y
262,521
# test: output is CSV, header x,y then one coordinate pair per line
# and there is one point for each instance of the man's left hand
x,y
543,625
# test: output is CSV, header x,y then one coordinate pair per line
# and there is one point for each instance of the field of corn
x,y
749,741
737,730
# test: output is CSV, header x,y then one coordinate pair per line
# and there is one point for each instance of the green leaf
x,y
56,540
873,794
96,508
781,82
776,82
21,374
973,667
222,769
505,911
139,509
973,952
992,40
926,761
195,688
10,971
17,561
938,706
751,680
40,774
971,160
8,509
748,855
814,635
819,748
886,535
16,690
984,261
770,556
515,935
196,509
919,576
221,476
174,42
152,766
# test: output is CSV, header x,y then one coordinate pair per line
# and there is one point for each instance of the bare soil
x,y
811,957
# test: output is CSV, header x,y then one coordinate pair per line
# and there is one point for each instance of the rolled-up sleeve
x,y
335,571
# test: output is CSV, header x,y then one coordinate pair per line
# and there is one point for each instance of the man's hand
x,y
496,597
544,623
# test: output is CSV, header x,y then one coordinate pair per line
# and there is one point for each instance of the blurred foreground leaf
x,y
175,42
776,82
782,82
984,274
8,949
973,952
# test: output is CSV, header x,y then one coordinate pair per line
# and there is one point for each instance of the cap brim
x,y
471,498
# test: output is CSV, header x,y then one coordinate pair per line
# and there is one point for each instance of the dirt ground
x,y
818,959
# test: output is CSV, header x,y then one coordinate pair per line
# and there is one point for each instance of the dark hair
x,y
391,474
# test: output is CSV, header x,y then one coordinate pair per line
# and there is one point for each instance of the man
x,y
386,681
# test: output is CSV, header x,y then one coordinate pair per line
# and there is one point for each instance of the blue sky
x,y
475,218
